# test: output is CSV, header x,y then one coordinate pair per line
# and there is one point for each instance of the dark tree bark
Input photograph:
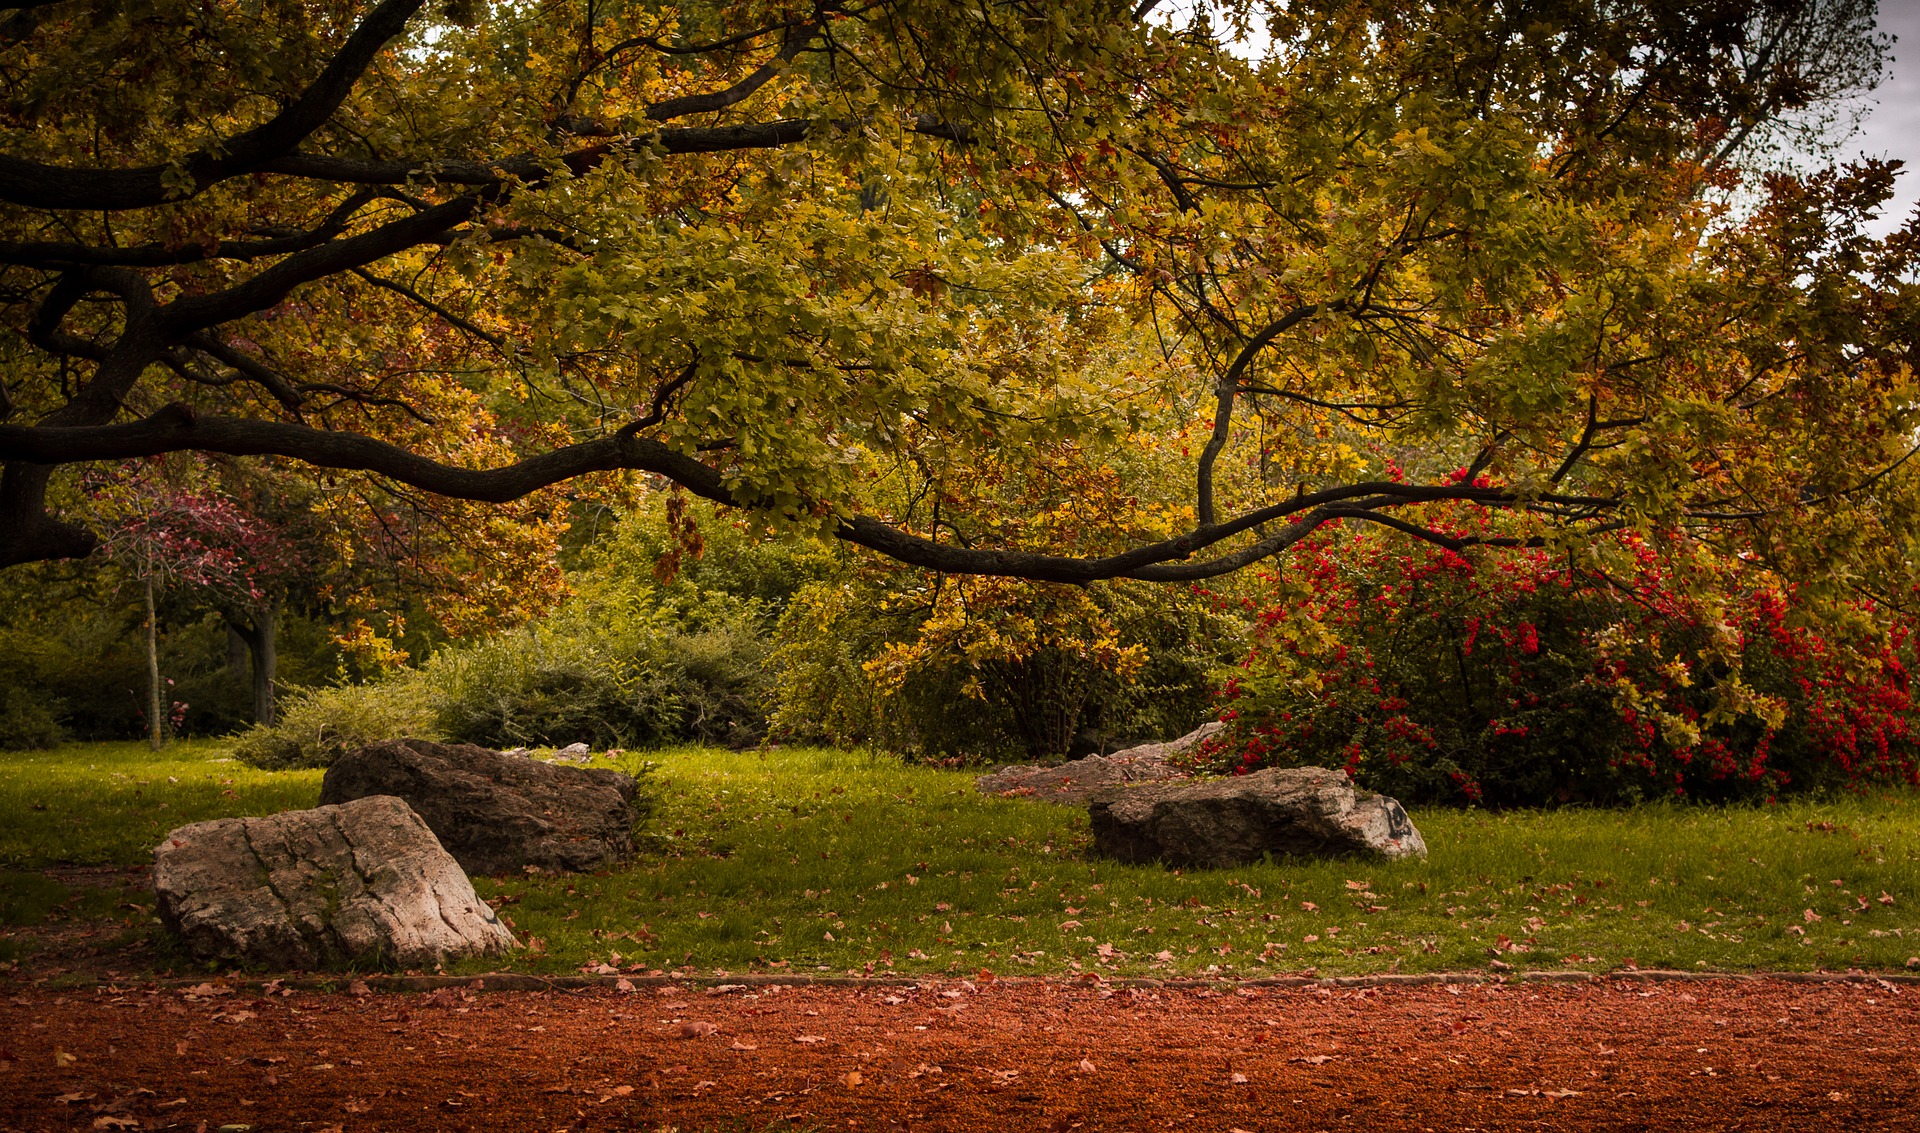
x,y
259,630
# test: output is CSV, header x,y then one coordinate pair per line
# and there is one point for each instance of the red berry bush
x,y
1530,677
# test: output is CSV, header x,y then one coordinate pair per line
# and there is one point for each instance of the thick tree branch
x,y
1224,392
176,428
55,254
198,312
669,109
39,185
671,140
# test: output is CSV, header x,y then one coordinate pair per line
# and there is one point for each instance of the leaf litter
x,y
1652,1057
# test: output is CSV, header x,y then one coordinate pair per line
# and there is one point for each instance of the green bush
x,y
318,725
622,664
542,685
825,689
27,721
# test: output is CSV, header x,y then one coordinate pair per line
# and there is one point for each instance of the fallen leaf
x,y
205,990
75,1098
809,1038
622,1091
1087,1066
1239,1079
738,1045
697,1030
1561,1093
359,987
853,1078
1313,1059
110,1121
62,1060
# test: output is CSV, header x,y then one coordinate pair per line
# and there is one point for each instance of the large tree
x,y
775,252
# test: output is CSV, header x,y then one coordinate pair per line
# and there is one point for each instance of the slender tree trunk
x,y
155,736
266,661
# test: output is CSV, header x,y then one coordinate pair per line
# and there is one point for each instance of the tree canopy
x,y
830,261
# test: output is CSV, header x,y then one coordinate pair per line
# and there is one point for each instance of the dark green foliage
x,y
70,648
834,631
27,720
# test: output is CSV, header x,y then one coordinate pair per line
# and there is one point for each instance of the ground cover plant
x,y
807,861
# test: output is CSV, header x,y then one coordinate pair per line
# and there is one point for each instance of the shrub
x,y
619,665
318,725
990,669
28,721
1534,678
545,684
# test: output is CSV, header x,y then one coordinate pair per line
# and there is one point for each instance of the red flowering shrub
x,y
1533,677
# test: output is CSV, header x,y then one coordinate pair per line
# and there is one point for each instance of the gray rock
x,y
1220,822
352,885
1077,781
495,812
578,753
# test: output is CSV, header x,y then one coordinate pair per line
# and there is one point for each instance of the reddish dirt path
x,y
1757,1055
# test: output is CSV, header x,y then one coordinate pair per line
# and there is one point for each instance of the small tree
x,y
166,536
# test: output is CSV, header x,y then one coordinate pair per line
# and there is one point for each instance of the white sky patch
x,y
1892,129
1889,128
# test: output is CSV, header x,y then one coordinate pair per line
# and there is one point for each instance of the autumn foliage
x,y
1640,667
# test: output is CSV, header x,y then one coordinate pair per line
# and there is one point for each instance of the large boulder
x,y
1222,822
498,812
1075,782
361,883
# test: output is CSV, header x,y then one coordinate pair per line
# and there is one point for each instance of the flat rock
x,y
1075,782
363,883
497,812
1303,811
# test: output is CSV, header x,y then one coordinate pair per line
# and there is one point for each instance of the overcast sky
x,y
1892,129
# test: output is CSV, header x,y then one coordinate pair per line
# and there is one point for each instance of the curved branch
x,y
668,109
39,185
176,428
1223,405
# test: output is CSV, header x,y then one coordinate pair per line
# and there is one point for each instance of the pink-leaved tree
x,y
166,535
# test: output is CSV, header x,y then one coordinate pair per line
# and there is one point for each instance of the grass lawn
x,y
806,860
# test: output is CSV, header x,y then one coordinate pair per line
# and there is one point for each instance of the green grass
x,y
805,861
837,861
110,803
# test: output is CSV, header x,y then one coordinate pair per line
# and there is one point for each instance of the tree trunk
x,y
156,737
237,649
260,634
266,661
